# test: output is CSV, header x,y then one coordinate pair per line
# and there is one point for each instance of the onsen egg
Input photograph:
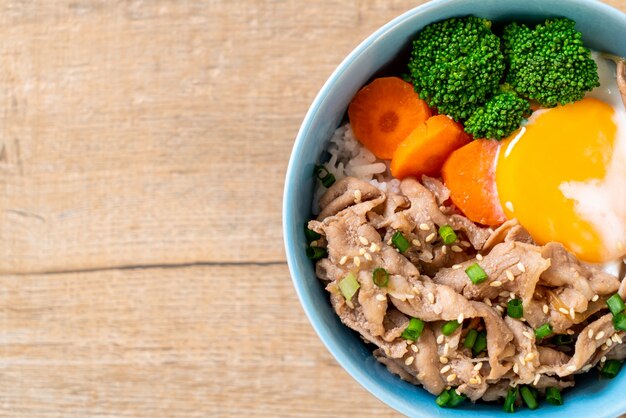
x,y
563,174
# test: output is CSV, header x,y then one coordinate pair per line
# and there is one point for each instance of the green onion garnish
x,y
509,401
414,330
619,321
515,309
443,398
610,368
470,338
316,253
449,327
380,276
529,397
553,395
616,304
563,339
324,176
543,331
455,399
481,343
400,242
476,273
447,234
310,234
348,286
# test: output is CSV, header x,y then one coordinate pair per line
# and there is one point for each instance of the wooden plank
x,y
193,342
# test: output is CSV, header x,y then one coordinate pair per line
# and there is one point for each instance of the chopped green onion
x,y
619,321
380,276
515,309
324,176
447,234
616,304
310,234
543,331
476,273
455,399
563,339
509,401
400,242
443,398
481,343
529,397
553,395
414,330
316,253
449,327
348,286
470,338
610,368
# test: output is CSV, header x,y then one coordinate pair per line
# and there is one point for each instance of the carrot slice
x,y
426,148
469,173
384,112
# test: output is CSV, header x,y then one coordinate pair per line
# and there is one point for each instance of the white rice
x,y
348,158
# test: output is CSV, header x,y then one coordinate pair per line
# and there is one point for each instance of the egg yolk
x,y
567,143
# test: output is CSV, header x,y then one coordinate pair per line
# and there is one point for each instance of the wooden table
x,y
143,147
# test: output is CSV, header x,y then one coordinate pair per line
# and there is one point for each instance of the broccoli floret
x,y
456,65
499,117
549,63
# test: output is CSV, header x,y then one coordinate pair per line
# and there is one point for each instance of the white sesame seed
x,y
572,314
600,335
595,298
409,296
509,206
362,251
586,368
445,369
478,366
374,248
364,241
443,360
500,309
603,359
604,347
478,379
313,244
409,360
430,237
590,334
444,249
537,378
504,294
357,261
473,381
451,377
479,257
495,283
431,298
381,297
357,196
527,335
389,241
510,275
456,249
487,302
424,227
515,368
546,309
446,348
465,244
414,348
521,267
571,368
617,339
367,256
416,242
512,295
460,318
440,339
456,266
529,357
608,342
570,332
343,260
522,361
564,311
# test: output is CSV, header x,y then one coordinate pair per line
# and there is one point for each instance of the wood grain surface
x,y
143,146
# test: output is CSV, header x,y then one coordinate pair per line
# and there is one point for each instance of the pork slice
x,y
345,193
437,188
424,208
476,235
526,357
396,366
551,357
499,234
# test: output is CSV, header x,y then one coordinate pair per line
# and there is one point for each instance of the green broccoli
x,y
499,117
549,63
456,65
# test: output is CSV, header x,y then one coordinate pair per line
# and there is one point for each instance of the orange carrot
x,y
469,173
426,148
384,112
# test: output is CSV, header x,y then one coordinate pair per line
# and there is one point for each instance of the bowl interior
x,y
603,28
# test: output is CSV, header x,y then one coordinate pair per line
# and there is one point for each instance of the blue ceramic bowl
x,y
603,28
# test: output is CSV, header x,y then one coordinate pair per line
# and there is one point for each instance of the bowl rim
x,y
331,343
